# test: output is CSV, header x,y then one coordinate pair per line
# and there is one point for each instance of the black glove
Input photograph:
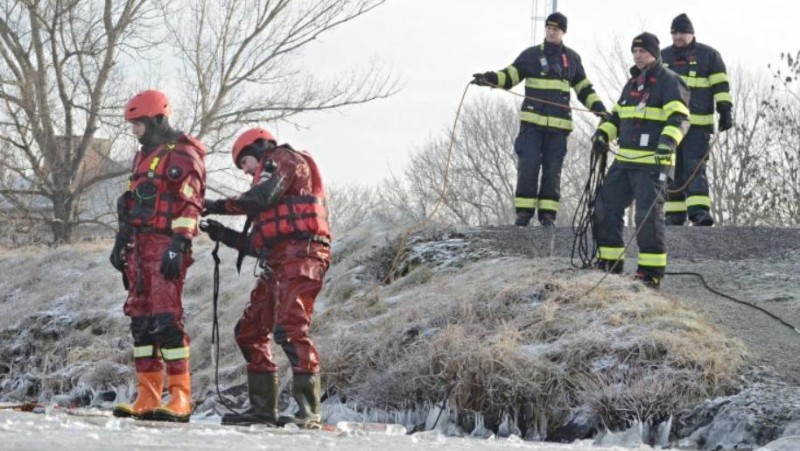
x,y
218,232
600,111
725,121
172,258
117,257
485,79
213,207
599,143
663,154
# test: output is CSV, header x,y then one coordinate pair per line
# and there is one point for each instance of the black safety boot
x,y
547,220
614,267
702,218
647,280
523,218
263,391
306,391
675,219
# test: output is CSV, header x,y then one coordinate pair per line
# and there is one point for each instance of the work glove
x,y
725,121
218,232
213,207
172,258
599,110
117,257
599,143
485,79
663,154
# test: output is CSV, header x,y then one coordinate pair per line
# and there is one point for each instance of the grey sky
x,y
435,45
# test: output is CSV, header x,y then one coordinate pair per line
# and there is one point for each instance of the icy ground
x,y
31,432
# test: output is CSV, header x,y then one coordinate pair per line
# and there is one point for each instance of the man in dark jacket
x,y
649,122
549,69
703,70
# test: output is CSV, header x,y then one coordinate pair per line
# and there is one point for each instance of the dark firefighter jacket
x,y
549,71
703,70
652,110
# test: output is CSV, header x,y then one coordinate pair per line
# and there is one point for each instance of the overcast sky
x,y
435,45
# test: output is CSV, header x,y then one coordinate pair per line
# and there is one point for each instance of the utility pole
x,y
540,9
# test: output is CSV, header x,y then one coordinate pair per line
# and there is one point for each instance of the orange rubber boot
x,y
148,397
179,407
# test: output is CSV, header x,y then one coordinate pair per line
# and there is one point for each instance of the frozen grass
x,y
521,337
504,336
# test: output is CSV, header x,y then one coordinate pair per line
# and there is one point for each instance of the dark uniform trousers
x,y
535,149
694,197
623,185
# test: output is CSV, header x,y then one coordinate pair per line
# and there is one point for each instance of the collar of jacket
x,y
689,49
653,69
552,49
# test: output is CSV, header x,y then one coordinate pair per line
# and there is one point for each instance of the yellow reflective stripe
x,y
676,106
187,189
633,112
591,99
513,73
653,260
640,156
154,163
719,77
675,206
175,353
696,82
582,84
698,201
188,223
673,132
524,202
546,121
547,204
702,119
610,129
611,253
501,78
546,83
142,351
723,97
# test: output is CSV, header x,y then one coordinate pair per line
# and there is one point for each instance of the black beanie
x,y
557,20
682,24
649,42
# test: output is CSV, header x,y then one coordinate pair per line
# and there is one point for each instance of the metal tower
x,y
539,12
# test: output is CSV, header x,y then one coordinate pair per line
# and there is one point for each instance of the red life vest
x,y
153,205
297,217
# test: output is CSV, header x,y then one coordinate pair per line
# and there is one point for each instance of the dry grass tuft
x,y
517,336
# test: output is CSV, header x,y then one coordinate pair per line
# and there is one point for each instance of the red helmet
x,y
150,103
247,138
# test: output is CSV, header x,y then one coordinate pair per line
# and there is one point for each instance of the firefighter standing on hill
x,y
549,70
291,238
649,121
702,68
158,219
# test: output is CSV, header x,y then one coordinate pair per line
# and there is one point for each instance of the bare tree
x,y
241,61
57,60
736,164
480,169
349,205
783,164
